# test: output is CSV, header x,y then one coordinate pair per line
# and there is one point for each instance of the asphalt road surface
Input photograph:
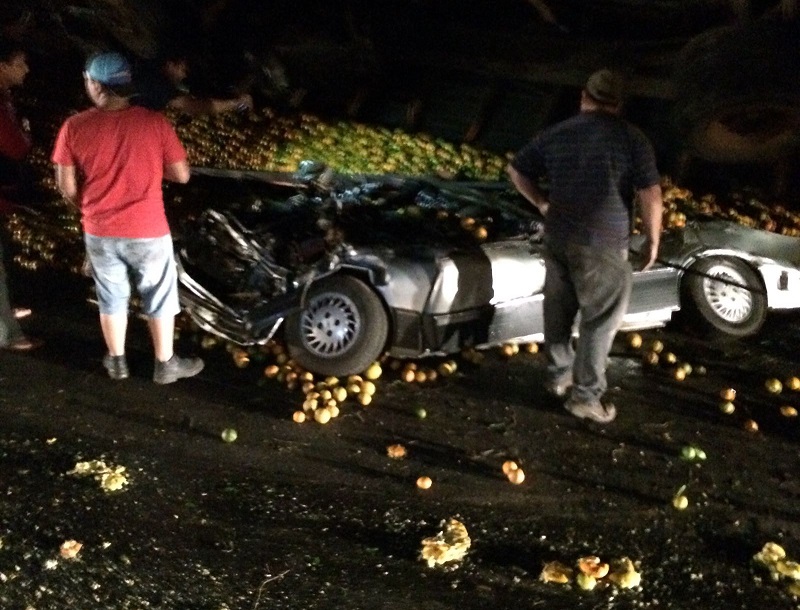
x,y
307,516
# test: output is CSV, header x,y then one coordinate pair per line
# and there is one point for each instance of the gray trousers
x,y
10,329
593,285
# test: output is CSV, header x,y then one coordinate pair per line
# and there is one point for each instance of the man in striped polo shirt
x,y
596,166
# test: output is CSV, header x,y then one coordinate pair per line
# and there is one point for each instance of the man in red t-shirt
x,y
110,161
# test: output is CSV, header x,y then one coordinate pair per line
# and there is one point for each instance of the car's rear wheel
x,y
725,297
342,329
737,96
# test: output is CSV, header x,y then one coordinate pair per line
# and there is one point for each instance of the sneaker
x,y
559,387
176,368
594,410
117,366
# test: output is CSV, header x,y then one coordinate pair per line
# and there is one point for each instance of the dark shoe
x,y
117,366
559,386
593,409
176,368
24,344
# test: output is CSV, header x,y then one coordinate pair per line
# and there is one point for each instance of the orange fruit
x,y
773,386
650,358
516,476
424,482
508,466
322,416
374,371
509,350
396,451
680,502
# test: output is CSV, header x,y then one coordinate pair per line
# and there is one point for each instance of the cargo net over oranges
x,y
266,141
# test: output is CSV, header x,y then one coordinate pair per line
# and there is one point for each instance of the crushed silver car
x,y
348,268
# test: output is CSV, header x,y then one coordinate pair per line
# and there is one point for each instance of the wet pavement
x,y
306,516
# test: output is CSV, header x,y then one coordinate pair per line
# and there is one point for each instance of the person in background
x,y
596,164
15,143
110,161
161,86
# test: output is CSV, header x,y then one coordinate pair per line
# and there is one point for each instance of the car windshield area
x,y
249,236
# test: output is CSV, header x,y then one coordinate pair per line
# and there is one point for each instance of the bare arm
x,y
528,189
177,172
652,208
67,183
195,106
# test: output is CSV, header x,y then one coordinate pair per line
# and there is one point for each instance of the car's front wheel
x,y
342,329
725,297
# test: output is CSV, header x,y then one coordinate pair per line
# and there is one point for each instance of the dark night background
x,y
306,517
489,73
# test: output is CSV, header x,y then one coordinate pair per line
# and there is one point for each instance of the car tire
x,y
733,306
737,96
342,329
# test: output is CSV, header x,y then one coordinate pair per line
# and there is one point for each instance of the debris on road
x,y
592,572
556,572
449,545
111,478
625,575
396,451
70,548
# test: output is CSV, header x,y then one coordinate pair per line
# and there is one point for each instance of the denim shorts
x,y
148,264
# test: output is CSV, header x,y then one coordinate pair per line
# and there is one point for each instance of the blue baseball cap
x,y
110,69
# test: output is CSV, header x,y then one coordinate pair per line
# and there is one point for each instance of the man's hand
x,y
67,183
652,208
542,206
244,102
647,256
526,187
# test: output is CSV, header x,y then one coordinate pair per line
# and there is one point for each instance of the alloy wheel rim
x,y
330,324
732,303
